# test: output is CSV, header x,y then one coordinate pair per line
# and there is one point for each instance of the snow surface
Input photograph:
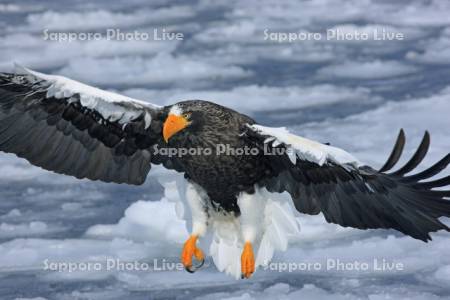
x,y
253,98
354,94
367,70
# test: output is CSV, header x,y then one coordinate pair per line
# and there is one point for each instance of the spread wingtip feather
x,y
396,152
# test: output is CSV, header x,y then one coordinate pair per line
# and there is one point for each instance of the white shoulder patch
x,y
303,148
107,104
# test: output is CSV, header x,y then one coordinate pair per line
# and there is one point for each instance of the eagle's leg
x,y
250,220
196,201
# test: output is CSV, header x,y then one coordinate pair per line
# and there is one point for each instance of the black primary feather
x,y
396,152
417,158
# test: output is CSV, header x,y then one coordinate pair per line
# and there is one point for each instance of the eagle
x,y
226,158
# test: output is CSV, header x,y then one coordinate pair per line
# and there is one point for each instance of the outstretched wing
x,y
321,178
75,129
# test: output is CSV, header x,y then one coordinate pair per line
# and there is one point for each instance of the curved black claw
x,y
194,268
246,277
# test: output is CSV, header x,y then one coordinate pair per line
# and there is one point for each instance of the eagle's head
x,y
184,118
199,119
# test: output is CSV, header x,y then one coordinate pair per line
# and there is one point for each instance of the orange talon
x,y
190,250
247,261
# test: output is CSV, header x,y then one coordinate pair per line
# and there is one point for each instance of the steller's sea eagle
x,y
75,129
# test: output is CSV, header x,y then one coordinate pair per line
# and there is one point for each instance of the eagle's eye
x,y
187,115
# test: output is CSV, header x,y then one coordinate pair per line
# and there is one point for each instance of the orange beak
x,y
172,125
